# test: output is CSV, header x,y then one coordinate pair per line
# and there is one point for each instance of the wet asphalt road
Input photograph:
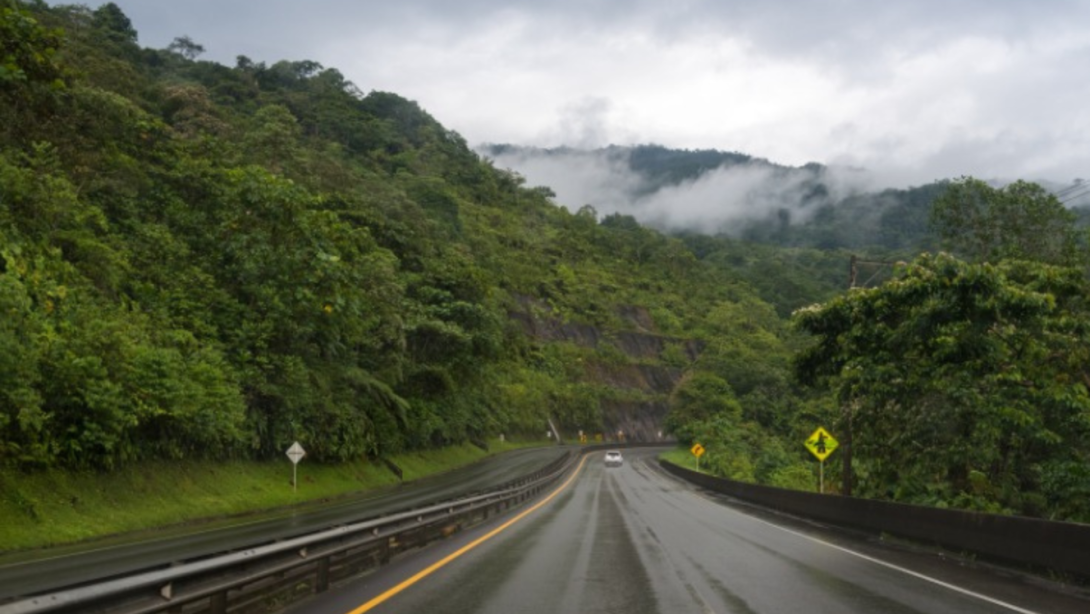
x,y
28,573
635,540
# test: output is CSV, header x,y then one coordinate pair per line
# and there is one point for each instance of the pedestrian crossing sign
x,y
821,444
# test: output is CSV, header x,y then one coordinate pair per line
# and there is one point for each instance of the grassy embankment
x,y
682,457
51,508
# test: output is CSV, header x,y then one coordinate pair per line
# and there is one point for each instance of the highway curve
x,y
635,540
28,573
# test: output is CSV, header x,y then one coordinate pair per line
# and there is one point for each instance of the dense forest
x,y
214,261
203,261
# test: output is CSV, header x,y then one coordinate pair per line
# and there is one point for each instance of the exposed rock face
x,y
638,316
638,421
651,379
555,330
650,347
644,374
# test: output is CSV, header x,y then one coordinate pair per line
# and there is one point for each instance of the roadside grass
x,y
682,457
53,507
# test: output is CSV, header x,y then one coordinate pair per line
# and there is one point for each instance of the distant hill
x,y
737,195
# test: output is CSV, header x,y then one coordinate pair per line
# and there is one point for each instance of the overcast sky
x,y
912,90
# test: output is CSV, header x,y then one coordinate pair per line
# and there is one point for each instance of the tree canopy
x,y
1018,221
211,261
966,383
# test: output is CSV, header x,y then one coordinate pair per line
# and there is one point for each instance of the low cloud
x,y
584,124
726,198
723,199
578,177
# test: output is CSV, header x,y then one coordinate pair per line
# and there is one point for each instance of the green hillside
x,y
210,261
203,263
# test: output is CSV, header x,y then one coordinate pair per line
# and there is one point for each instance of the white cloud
x,y
913,90
722,199
578,178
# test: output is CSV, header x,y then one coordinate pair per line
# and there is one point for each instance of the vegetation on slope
x,y
210,262
965,383
56,507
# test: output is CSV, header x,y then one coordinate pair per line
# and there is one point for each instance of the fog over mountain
x,y
734,194
716,198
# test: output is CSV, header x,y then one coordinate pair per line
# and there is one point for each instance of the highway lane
x,y
638,541
28,573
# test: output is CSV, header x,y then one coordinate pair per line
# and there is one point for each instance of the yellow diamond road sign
x,y
821,444
697,450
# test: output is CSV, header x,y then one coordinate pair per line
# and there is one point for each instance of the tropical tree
x,y
966,383
186,47
1021,221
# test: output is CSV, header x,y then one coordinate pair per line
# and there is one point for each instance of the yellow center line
x,y
370,605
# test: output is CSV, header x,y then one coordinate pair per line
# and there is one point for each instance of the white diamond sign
x,y
296,453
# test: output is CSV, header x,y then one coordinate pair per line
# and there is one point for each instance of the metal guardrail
x,y
271,576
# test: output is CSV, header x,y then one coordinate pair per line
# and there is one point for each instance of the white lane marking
x,y
947,585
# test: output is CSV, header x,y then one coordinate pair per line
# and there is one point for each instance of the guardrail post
x,y
393,468
321,583
217,604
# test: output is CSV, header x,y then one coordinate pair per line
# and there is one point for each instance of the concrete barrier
x,y
1063,546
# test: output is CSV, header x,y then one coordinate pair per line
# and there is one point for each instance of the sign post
x,y
698,451
821,444
296,454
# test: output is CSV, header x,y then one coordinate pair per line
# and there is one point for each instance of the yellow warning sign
x,y
821,444
697,450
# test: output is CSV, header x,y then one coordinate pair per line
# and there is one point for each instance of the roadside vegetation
x,y
204,262
57,507
201,264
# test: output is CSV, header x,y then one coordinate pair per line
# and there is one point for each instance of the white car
x,y
614,458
